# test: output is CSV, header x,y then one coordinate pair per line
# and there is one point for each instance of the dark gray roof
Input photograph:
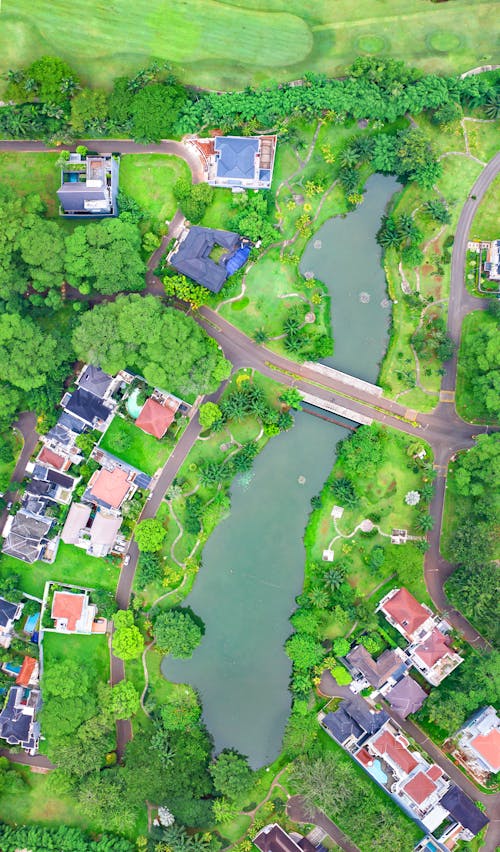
x,y
95,380
7,611
463,809
20,547
39,487
376,672
274,839
72,196
192,256
61,479
87,406
60,434
17,726
354,718
236,156
47,475
29,526
36,505
72,423
406,697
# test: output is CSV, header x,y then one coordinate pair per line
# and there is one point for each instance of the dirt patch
x,y
426,269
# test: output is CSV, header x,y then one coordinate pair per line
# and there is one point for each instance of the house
x,y
156,417
85,406
464,812
406,696
9,613
26,537
353,722
492,262
28,676
238,162
72,612
388,667
60,485
96,535
429,646
406,614
195,252
56,460
478,744
110,487
18,725
89,186
273,838
94,380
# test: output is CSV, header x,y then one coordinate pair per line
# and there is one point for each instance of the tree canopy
x,y
177,633
167,347
149,535
106,257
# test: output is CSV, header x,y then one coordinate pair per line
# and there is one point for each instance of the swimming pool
x,y
133,407
31,623
376,770
9,667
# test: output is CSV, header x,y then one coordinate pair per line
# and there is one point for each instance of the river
x,y
346,257
253,563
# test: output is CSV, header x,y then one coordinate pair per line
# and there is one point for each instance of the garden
x,y
72,565
135,447
478,372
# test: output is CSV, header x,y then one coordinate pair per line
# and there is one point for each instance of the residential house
x,y
156,417
406,696
273,838
97,535
110,488
238,162
53,459
91,410
478,744
387,669
72,612
9,613
18,725
60,485
194,255
89,186
28,675
94,380
429,645
421,788
492,262
26,537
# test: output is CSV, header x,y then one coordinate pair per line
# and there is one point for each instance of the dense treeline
x,y
48,101
41,838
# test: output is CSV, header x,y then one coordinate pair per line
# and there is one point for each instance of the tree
x,y
231,774
123,701
164,345
292,398
363,451
304,651
480,362
89,110
49,76
154,110
341,647
127,640
150,569
344,491
181,710
28,356
149,535
105,257
209,414
425,522
341,675
473,589
412,498
478,467
177,633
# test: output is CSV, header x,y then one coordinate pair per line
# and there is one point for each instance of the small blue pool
x,y
9,667
31,623
73,177
133,407
376,770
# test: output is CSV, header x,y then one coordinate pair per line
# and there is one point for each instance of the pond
x,y
345,256
253,568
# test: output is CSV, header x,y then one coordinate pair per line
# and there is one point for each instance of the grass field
x,y
149,179
72,565
135,447
485,225
224,45
32,173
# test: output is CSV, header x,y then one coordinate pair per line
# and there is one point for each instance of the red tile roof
x,y
52,458
433,649
406,611
69,606
420,787
488,746
110,486
364,757
27,669
434,772
389,745
155,418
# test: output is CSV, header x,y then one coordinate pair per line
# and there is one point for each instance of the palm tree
x,y
389,235
334,577
349,157
425,522
318,597
492,105
427,492
260,336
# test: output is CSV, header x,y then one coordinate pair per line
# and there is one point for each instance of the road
x,y
298,811
26,425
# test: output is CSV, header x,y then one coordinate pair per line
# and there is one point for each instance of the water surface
x,y
253,568
345,256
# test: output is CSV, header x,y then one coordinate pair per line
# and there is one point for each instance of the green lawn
x,y
90,652
149,179
468,405
135,447
224,45
32,173
485,225
72,565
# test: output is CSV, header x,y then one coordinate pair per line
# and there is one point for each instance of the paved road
x,y
298,811
329,687
37,761
26,425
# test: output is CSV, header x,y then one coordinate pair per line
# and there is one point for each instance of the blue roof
x,y
236,156
237,260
